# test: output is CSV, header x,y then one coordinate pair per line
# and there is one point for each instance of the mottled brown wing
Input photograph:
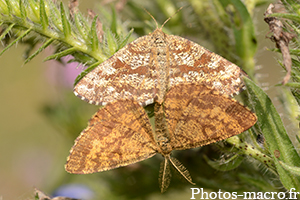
x,y
125,75
192,63
144,69
117,135
204,117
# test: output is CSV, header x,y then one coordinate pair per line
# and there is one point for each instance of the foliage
x,y
250,164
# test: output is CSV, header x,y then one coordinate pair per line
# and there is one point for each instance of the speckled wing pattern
x,y
197,116
125,75
146,68
117,135
192,63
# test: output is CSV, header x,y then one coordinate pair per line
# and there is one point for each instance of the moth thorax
x,y
164,144
160,40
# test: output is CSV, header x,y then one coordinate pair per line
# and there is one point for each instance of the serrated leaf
x,y
271,126
225,165
125,40
94,41
15,41
9,7
81,25
84,58
65,22
61,54
34,8
54,14
43,15
111,42
45,45
6,31
22,10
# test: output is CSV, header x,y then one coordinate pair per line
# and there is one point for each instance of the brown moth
x,y
146,68
191,116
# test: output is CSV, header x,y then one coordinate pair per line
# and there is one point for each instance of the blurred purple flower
x,y
77,191
63,74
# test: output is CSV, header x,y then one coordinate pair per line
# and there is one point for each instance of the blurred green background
x,y
33,151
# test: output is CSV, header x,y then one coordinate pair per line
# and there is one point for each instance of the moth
x,y
190,116
146,68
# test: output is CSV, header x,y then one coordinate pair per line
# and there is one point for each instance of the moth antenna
x,y
181,169
164,175
171,17
152,17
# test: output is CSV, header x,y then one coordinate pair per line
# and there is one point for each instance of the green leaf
x,y
81,25
22,10
6,31
298,139
245,39
43,15
291,5
15,41
257,182
9,6
94,41
111,42
225,165
65,22
294,170
295,70
34,8
84,58
293,85
54,14
46,44
290,16
113,25
124,42
295,52
270,125
61,54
